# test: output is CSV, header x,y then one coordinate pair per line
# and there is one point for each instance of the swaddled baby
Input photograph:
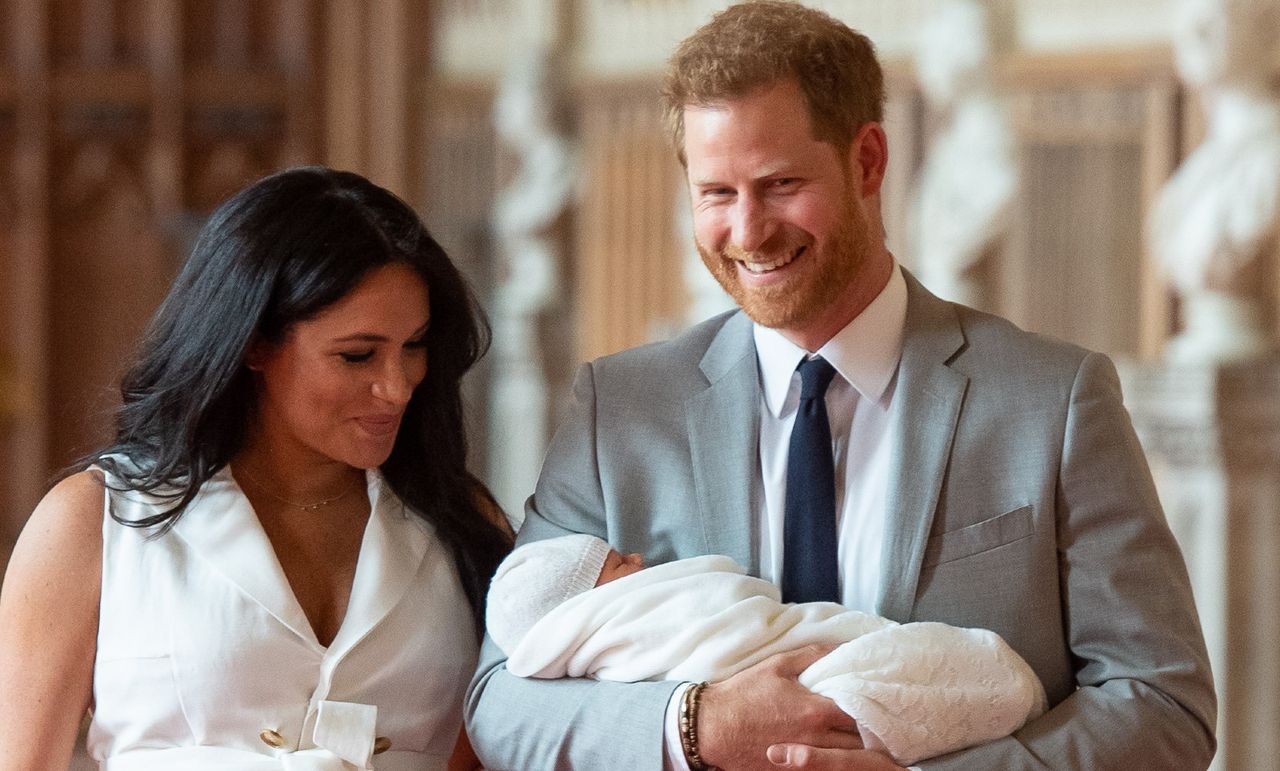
x,y
574,607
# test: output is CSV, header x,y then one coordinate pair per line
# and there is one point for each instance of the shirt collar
x,y
865,352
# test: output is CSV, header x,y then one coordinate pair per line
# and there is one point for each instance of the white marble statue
x,y
970,174
527,216
1214,226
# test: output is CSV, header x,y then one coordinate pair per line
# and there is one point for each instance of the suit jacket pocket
x,y
977,538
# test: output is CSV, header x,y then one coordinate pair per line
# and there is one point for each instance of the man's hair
x,y
757,44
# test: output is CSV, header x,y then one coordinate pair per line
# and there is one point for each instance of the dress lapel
x,y
223,530
395,542
930,394
724,430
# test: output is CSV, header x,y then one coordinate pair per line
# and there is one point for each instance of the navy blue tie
x,y
809,569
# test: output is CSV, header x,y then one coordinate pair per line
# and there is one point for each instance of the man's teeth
x,y
765,267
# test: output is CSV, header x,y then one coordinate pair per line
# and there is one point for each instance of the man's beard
x,y
795,302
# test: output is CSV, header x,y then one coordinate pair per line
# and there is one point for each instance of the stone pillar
x,y
1213,439
529,221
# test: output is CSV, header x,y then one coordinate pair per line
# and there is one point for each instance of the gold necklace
x,y
304,506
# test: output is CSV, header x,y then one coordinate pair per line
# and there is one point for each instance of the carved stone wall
x,y
628,262
1097,139
1064,25
24,153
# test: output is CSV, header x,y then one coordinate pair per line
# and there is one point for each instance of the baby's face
x,y
617,565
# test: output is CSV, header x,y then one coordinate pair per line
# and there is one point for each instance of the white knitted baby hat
x,y
537,577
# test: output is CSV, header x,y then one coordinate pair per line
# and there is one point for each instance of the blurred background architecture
x,y
1105,171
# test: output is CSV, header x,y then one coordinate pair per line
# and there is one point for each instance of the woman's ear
x,y
256,354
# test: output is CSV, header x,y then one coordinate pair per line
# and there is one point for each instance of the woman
x,y
280,561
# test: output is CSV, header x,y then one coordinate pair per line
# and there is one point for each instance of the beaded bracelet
x,y
689,727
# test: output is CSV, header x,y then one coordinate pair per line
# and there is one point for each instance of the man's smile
x,y
758,267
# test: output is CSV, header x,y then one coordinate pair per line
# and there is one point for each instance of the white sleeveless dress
x,y
206,660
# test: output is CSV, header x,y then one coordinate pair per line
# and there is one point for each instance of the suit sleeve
x,y
526,724
1145,696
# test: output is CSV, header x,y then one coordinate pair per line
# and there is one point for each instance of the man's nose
x,y
753,225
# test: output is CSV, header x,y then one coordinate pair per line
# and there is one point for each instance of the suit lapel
x,y
929,394
223,530
724,431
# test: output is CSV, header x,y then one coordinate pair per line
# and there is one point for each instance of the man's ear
x,y
868,157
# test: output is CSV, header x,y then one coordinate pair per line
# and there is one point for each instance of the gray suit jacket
x,y
1019,501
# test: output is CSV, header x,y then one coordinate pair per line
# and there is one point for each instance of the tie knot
x,y
815,376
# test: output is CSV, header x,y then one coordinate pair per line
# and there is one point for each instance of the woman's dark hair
x,y
276,253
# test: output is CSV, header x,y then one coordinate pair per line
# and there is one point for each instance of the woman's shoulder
x,y
66,527
48,618
76,502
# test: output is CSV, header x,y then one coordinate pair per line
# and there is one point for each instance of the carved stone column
x,y
1213,439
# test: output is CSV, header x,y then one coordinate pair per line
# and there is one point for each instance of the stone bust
x,y
1214,225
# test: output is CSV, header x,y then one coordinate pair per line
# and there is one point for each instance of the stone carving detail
x,y
970,175
114,263
1214,227
529,222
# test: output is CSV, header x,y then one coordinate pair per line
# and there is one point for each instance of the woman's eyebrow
x,y
370,337
363,337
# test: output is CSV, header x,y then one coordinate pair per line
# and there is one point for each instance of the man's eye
x,y
356,358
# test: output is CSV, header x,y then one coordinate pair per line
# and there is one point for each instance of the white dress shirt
x,y
865,354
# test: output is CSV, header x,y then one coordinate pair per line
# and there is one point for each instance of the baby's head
x,y
538,576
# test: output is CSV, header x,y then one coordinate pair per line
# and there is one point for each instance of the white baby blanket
x,y
917,690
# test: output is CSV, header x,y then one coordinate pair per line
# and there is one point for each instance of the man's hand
x,y
818,759
739,718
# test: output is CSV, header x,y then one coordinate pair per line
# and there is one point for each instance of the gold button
x,y
381,745
271,738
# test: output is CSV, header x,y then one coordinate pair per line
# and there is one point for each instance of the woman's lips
x,y
379,425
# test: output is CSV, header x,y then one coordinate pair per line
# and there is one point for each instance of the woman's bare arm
x,y
49,626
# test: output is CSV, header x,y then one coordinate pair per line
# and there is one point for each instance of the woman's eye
x,y
356,358
416,343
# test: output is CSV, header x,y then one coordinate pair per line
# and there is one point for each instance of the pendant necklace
x,y
304,506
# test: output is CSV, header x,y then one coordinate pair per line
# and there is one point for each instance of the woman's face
x,y
336,387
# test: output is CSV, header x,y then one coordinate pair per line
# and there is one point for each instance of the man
x,y
982,476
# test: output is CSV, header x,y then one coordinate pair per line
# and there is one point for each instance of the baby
x,y
574,607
